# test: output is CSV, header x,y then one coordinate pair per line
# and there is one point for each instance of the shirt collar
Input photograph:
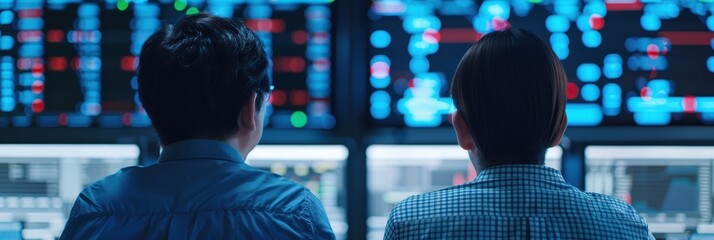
x,y
531,172
199,149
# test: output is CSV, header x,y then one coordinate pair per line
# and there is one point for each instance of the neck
x,y
481,162
239,146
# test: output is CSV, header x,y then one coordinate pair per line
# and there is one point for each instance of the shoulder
x,y
613,207
440,203
191,187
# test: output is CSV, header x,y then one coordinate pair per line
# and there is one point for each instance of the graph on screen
x,y
671,187
320,168
72,63
39,183
629,62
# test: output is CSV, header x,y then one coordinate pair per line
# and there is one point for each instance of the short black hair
x,y
196,75
509,88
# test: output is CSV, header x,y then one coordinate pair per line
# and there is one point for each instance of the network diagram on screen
x,y
629,62
72,63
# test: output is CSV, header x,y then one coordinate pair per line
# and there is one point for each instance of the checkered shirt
x,y
515,202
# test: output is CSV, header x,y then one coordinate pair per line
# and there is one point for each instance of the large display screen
x,y
320,168
72,63
396,172
39,183
670,187
629,62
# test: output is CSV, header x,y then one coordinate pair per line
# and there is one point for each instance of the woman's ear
x,y
463,133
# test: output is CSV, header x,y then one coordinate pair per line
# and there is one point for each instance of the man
x,y
204,84
509,92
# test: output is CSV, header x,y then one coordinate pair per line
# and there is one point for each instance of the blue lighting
x,y
557,24
380,82
651,22
631,44
420,24
560,42
588,72
583,23
595,7
319,25
559,39
496,8
418,46
583,114
6,17
568,8
590,92
380,105
482,24
710,64
30,24
611,99
521,7
258,11
612,67
380,58
419,65
562,51
380,39
88,10
710,23
652,118
419,8
592,38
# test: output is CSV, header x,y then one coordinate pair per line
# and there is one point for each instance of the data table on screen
x,y
628,63
73,63
40,182
669,186
395,172
320,168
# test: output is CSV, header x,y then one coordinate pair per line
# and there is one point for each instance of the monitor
x,y
320,168
72,63
669,186
395,172
628,62
39,183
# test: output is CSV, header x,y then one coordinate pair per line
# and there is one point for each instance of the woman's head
x,y
509,92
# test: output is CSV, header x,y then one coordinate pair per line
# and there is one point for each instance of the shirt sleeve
x,y
80,226
320,225
390,231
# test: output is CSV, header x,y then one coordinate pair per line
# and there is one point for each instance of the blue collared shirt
x,y
515,202
199,189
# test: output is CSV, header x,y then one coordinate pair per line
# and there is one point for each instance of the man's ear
x,y
246,119
561,132
463,134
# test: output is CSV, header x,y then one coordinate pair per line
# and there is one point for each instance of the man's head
x,y
205,77
509,92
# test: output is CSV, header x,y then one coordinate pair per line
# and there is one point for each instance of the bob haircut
x,y
509,88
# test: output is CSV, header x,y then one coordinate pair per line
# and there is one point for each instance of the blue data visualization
x,y
629,62
72,63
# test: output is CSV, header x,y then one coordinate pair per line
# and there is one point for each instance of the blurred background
x,y
361,110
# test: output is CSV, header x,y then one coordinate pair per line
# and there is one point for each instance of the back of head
x,y
196,75
510,91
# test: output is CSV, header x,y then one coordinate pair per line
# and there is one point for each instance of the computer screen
x,y
628,62
320,168
39,183
670,187
395,172
72,63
